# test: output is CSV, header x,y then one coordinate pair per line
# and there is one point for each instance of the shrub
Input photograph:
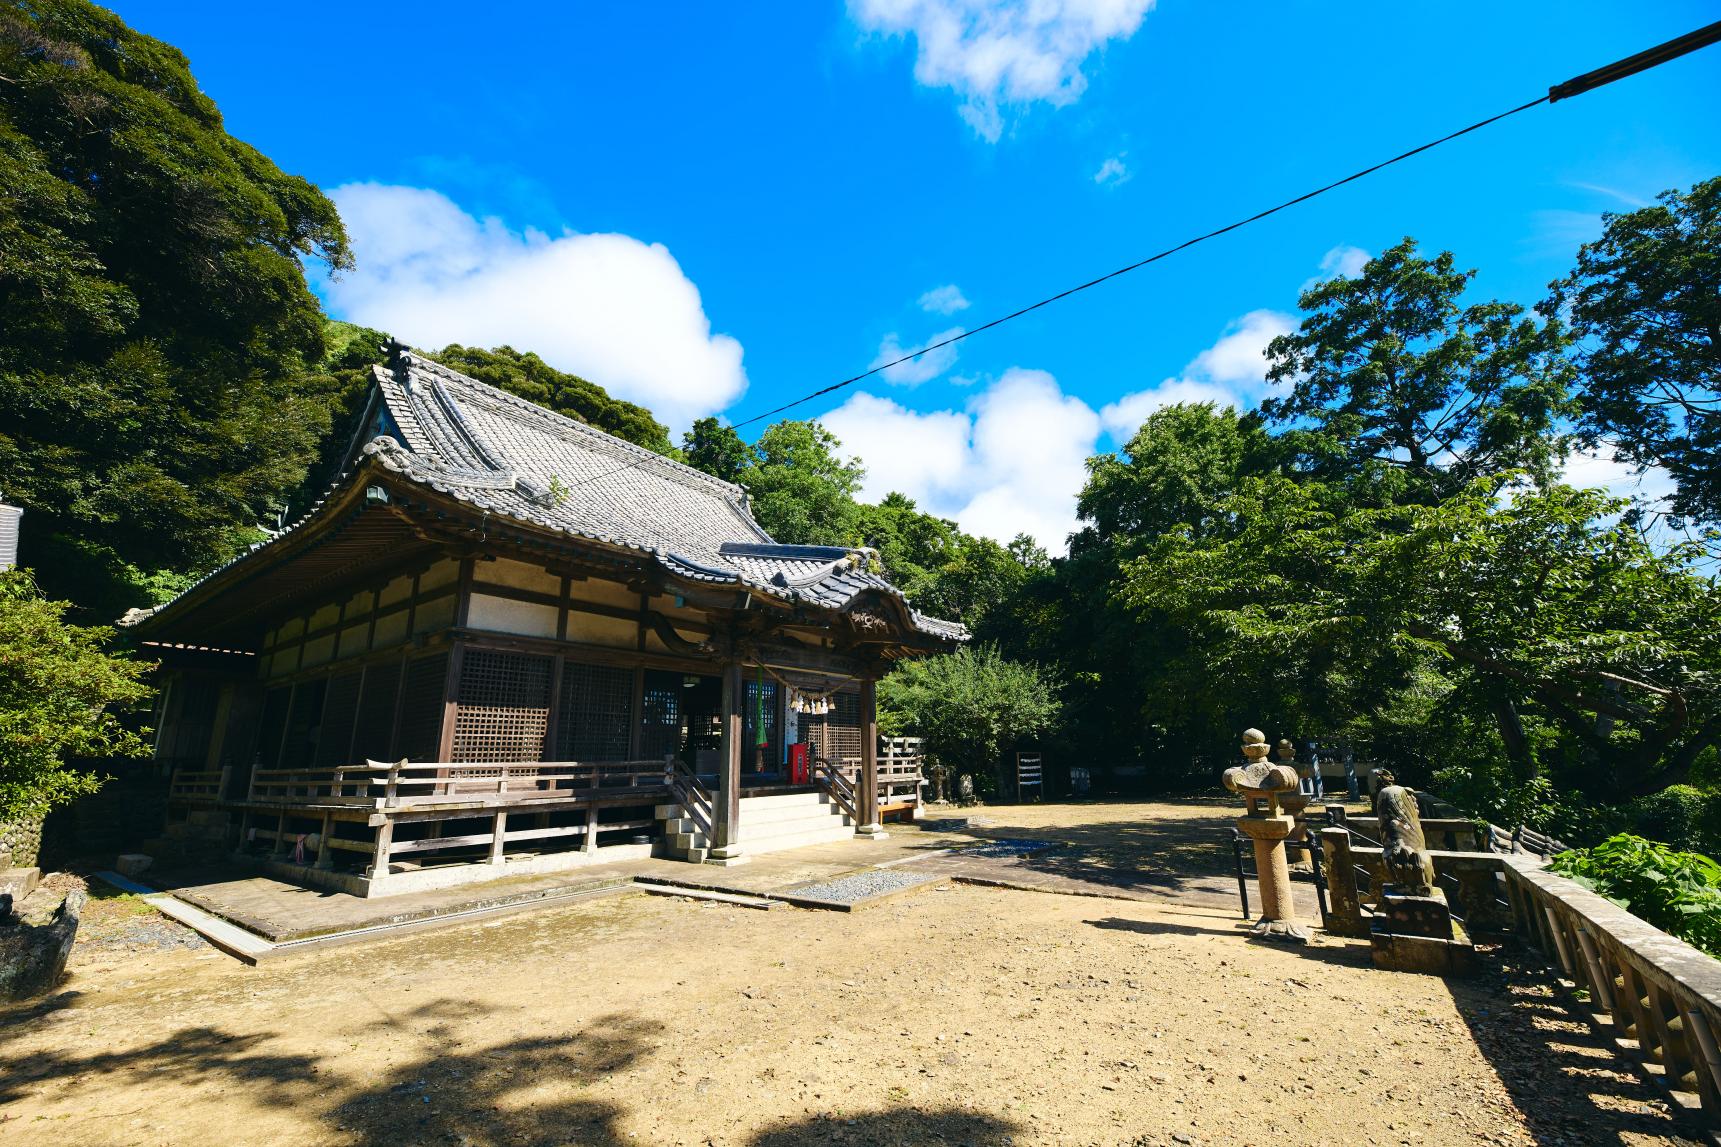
x,y
1680,816
971,707
1678,892
1490,791
58,691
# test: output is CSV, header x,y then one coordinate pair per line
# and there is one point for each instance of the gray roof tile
x,y
512,457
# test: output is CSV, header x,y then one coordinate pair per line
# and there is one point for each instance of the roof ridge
x,y
668,467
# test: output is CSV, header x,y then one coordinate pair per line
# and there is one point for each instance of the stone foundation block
x,y
133,864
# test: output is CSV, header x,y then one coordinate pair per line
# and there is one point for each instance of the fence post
x,y
1346,910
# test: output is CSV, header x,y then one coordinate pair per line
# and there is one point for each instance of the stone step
x,y
684,841
811,818
792,829
812,796
826,835
768,814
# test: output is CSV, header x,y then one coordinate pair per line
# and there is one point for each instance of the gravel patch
x,y
860,886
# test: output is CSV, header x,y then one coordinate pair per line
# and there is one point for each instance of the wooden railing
x,y
837,786
691,795
404,784
1656,989
900,777
201,786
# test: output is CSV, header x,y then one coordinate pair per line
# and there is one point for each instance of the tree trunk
x,y
1524,765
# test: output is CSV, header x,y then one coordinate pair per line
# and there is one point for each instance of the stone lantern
x,y
1263,787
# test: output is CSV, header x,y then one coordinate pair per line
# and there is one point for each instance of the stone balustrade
x,y
1657,992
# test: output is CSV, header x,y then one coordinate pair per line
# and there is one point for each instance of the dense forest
x,y
1383,553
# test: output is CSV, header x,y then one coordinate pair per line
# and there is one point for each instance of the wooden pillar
x,y
325,859
379,859
280,848
636,715
498,836
590,844
866,785
726,819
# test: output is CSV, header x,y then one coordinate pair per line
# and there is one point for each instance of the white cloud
x,y
607,307
1630,199
1231,372
1012,462
945,300
1002,53
1125,416
921,368
1239,357
1344,261
1114,172
1597,468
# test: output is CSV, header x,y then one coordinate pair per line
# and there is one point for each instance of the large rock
x,y
33,956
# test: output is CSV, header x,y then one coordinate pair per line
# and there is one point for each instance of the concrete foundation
x,y
449,875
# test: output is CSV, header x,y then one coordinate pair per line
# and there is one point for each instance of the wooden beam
x,y
726,803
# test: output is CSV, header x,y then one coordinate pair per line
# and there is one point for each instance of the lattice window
x,y
271,725
340,711
421,709
835,735
503,709
660,715
374,730
596,706
186,731
304,724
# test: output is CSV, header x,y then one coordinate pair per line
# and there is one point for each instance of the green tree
x,y
155,325
1400,387
1540,608
972,707
716,449
1645,303
60,693
533,379
803,490
1138,687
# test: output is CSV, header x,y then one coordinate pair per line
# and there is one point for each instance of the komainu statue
x,y
1404,850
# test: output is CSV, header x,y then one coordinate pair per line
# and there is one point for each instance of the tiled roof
x,y
498,452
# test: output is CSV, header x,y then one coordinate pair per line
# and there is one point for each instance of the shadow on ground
x,y
1569,1082
1184,859
524,1091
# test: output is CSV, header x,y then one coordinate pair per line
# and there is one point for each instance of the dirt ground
x,y
954,1015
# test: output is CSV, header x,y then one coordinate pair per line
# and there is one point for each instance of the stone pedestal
x,y
1278,909
1418,934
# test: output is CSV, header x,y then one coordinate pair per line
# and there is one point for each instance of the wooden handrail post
x,y
391,791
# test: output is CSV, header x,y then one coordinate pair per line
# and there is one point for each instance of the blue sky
x,y
713,208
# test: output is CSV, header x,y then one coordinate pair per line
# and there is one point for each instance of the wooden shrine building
x,y
506,642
